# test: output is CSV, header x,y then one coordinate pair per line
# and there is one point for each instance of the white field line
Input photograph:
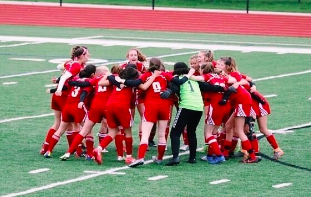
x,y
207,41
219,181
26,74
9,83
282,185
28,59
25,117
82,178
20,44
163,44
270,95
155,178
309,99
90,37
39,171
283,75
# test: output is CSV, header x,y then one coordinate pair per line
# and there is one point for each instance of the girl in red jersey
x,y
153,113
118,112
58,101
261,107
96,113
71,111
136,57
241,102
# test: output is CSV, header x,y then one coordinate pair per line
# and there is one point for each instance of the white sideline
x,y
219,181
155,178
39,171
25,117
282,185
82,178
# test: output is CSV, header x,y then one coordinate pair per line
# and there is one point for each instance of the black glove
x,y
258,98
226,95
166,94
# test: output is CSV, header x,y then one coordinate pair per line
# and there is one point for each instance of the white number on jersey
x,y
156,87
102,89
75,92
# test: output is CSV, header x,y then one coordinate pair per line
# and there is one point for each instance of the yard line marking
x,y
27,59
163,44
25,117
207,41
155,178
282,185
90,37
30,73
309,99
82,178
39,171
9,83
91,172
50,85
282,131
270,95
219,181
118,173
21,44
283,75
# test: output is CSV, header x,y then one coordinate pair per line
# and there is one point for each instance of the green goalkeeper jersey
x,y
190,96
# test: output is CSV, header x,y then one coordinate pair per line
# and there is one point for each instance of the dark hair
x,y
131,65
77,51
129,73
180,68
154,64
87,71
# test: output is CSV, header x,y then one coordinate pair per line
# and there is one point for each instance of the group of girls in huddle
x,y
86,95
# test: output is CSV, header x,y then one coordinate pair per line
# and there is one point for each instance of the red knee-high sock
x,y
255,144
78,139
214,145
69,136
234,143
101,136
272,141
246,145
161,151
185,137
221,139
227,146
89,140
53,142
48,137
142,150
129,145
79,147
104,143
119,144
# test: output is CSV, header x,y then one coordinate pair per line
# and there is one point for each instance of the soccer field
x,y
280,67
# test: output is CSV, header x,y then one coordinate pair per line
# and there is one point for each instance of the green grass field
x,y
21,139
254,5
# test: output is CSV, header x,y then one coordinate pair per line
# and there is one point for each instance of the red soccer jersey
x,y
242,95
215,79
101,92
120,97
75,92
158,85
140,66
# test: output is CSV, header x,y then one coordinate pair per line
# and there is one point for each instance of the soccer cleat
x,y
203,158
217,160
156,160
278,153
151,143
88,158
65,157
120,158
184,147
173,162
136,163
129,159
47,154
105,150
192,161
77,155
249,160
97,156
42,151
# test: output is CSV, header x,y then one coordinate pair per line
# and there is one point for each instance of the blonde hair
x,y
209,54
101,70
